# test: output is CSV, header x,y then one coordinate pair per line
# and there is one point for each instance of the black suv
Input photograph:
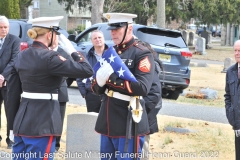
x,y
169,45
19,28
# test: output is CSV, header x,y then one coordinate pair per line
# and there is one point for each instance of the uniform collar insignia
x,y
126,45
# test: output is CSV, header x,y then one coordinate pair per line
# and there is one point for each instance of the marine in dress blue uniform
x,y
36,76
113,116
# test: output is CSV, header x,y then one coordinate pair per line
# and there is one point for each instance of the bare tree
x,y
113,5
161,13
97,11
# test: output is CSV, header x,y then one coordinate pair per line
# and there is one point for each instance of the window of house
x,y
36,4
83,21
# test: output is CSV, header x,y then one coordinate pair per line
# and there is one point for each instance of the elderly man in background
x,y
9,48
232,101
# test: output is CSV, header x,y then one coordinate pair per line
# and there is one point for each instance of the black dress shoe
x,y
56,149
10,144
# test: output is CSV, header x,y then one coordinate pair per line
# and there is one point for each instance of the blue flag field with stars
x,y
110,56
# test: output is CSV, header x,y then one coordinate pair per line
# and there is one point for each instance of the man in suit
x,y
232,102
9,48
62,92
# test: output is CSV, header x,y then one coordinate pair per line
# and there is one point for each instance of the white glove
x,y
84,80
103,74
11,136
237,132
66,45
136,113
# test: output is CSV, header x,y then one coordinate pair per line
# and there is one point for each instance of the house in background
x,y
79,16
48,8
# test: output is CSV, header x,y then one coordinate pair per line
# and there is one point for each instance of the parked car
x,y
218,33
169,45
200,30
19,28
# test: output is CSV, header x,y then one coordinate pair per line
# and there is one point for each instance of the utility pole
x,y
161,13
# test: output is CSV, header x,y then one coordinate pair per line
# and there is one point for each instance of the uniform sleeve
x,y
79,68
97,89
144,71
14,91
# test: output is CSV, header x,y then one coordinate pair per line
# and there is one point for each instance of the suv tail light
x,y
186,54
23,46
187,81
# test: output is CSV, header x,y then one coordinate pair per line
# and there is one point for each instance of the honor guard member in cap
x,y
113,122
37,75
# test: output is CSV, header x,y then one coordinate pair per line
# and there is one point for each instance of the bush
x,y
71,31
80,28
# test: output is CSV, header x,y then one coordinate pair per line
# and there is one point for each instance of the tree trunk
x,y
97,11
161,13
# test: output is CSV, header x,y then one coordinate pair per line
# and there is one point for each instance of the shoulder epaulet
x,y
139,45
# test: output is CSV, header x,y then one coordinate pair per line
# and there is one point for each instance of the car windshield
x,y
160,38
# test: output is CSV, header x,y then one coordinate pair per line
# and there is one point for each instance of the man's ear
x,y
130,29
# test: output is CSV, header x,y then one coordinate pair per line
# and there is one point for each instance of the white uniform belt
x,y
40,95
111,93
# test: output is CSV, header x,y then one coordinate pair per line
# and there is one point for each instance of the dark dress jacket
x,y
63,91
86,87
40,71
153,100
112,118
232,100
9,50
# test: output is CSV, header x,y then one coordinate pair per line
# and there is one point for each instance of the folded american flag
x,y
110,56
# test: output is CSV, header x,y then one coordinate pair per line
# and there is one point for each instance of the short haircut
x,y
4,19
97,31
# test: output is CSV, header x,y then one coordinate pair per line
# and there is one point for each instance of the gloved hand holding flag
x,y
111,57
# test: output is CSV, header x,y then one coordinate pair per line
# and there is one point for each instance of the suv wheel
x,y
173,94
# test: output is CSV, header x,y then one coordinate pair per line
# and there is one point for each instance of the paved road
x,y
207,61
206,113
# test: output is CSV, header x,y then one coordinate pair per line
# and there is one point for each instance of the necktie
x,y
238,72
1,43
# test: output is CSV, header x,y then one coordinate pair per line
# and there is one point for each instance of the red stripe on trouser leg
x,y
137,147
48,147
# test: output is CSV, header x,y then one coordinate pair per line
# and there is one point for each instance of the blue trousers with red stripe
x,y
113,148
33,148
